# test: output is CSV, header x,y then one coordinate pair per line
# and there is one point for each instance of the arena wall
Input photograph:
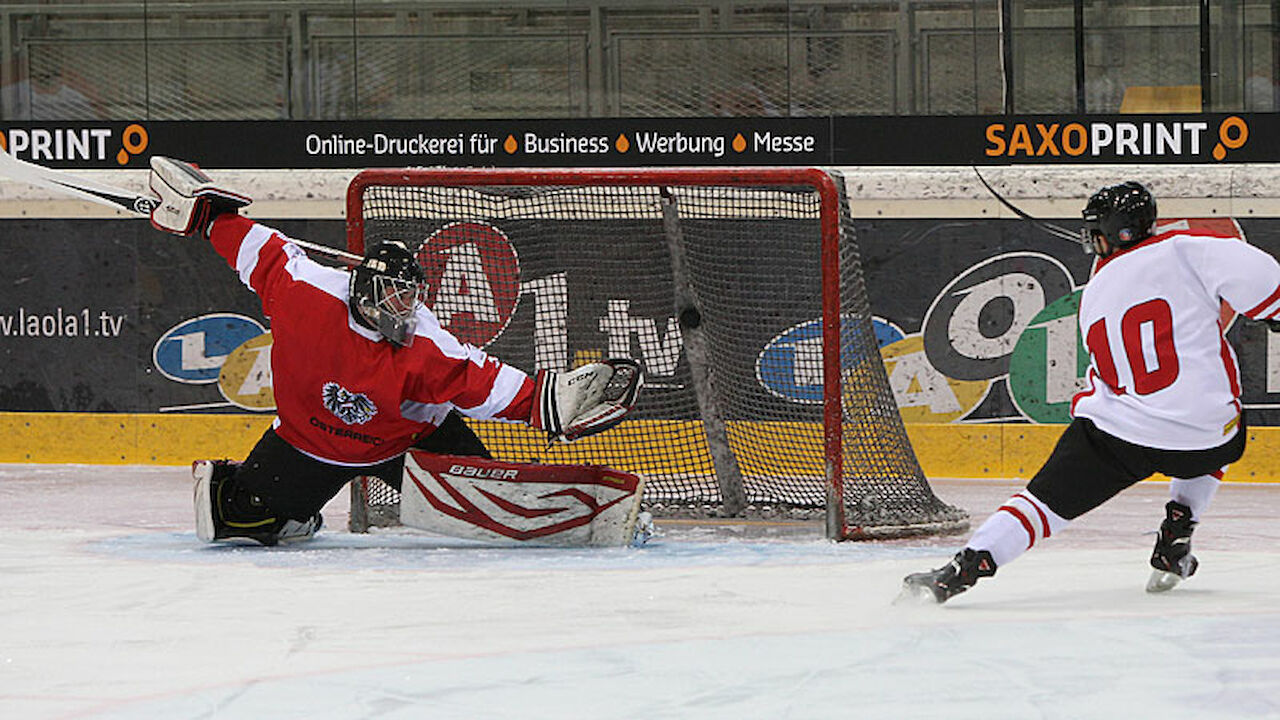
x,y
930,224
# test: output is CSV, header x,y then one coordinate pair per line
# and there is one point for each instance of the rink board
x,y
944,450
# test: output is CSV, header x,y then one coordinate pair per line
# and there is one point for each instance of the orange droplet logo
x,y
134,139
739,143
1233,134
511,146
623,144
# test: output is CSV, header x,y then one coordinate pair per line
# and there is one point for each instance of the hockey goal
x,y
739,290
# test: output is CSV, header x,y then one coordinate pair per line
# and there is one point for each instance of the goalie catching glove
x,y
188,199
585,401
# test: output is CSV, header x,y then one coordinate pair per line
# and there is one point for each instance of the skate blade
x,y
915,595
1162,581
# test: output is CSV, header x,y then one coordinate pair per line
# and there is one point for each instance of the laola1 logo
x,y
923,393
974,322
195,350
245,377
790,365
473,279
1048,363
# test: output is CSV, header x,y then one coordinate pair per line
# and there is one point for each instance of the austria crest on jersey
x,y
552,505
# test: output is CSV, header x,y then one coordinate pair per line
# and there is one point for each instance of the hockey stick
x,y
118,198
1055,230
32,174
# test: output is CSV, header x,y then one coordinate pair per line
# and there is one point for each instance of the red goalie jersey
x,y
343,395
1162,373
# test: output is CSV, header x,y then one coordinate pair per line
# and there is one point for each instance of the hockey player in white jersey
x,y
1162,394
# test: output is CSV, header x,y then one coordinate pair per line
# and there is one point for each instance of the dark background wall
x,y
85,303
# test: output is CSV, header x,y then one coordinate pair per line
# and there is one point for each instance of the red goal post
x,y
739,289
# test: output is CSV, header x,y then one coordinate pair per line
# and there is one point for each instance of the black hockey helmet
x,y
1124,214
385,288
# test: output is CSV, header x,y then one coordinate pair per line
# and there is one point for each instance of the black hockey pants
x,y
296,485
1089,466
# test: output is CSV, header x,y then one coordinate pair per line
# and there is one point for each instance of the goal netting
x,y
739,290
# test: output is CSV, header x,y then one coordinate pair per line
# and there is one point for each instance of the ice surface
x,y
110,608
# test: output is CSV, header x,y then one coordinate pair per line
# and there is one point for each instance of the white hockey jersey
x,y
1153,318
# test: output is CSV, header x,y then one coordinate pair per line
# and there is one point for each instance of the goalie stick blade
x,y
83,188
119,198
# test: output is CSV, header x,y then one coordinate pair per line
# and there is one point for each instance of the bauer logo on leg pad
x,y
559,505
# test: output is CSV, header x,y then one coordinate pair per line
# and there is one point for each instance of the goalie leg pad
x,y
520,503
208,476
202,473
587,400
212,495
188,198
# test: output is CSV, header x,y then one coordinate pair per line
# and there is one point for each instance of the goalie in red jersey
x,y
362,372
1162,392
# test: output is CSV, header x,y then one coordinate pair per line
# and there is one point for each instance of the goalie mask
x,y
1123,214
385,288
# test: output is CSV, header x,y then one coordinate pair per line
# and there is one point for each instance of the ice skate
x,y
1172,558
224,514
645,529
938,586
292,531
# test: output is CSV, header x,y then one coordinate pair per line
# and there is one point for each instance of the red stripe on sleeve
x,y
1253,312
270,258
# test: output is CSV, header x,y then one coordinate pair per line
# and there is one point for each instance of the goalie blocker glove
x,y
188,199
588,400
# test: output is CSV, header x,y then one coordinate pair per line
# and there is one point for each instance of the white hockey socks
x,y
1197,492
1015,527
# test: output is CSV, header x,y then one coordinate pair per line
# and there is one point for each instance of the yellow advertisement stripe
x,y
126,439
944,450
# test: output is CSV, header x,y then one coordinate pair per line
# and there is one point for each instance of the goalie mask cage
x,y
739,290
